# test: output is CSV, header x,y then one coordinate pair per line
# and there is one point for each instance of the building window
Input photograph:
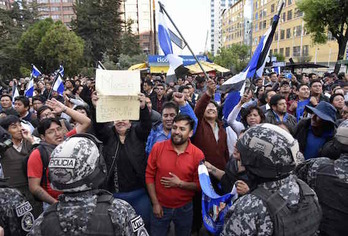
x,y
296,51
264,24
284,17
287,52
288,33
55,8
290,15
305,50
260,25
289,2
282,34
281,51
272,8
275,51
276,36
297,31
256,29
298,13
256,16
271,52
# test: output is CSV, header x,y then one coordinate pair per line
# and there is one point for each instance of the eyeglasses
x,y
51,132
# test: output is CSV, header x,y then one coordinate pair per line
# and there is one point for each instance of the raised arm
x,y
59,107
203,102
185,108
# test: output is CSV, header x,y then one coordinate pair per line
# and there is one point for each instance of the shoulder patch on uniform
x,y
142,232
23,208
137,222
27,222
66,163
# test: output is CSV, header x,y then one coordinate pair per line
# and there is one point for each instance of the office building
x,y
142,13
290,39
216,9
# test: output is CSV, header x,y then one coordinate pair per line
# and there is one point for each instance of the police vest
x,y
333,198
99,223
300,220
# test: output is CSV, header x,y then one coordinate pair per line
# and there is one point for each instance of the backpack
x,y
45,158
300,220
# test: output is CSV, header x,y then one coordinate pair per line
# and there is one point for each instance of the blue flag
x,y
35,72
59,85
214,206
61,70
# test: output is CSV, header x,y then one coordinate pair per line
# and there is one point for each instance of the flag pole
x,y
54,81
164,10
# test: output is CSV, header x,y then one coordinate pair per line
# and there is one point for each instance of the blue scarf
x,y
214,206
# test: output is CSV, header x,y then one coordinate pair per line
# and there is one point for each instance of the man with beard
x,y
170,109
278,113
172,179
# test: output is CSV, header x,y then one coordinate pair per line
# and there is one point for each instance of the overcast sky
x,y
192,17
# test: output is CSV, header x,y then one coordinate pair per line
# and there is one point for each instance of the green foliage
x,y
126,61
280,57
60,46
13,23
235,57
323,15
98,22
31,39
130,43
25,72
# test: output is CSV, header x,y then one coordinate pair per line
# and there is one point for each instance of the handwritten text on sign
x,y
119,83
111,108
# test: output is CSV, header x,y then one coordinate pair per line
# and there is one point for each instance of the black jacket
x,y
134,143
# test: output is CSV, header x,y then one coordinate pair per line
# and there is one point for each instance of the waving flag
x,y
61,70
59,85
15,93
214,206
257,63
100,65
176,68
35,72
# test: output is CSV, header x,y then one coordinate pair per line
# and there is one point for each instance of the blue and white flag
x,y
15,93
59,85
29,92
176,67
214,206
61,70
35,72
257,63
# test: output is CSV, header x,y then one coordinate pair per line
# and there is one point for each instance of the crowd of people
x,y
283,144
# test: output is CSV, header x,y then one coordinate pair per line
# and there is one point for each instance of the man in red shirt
x,y
172,179
51,134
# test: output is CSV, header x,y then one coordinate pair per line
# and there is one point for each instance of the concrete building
x,y
142,13
57,10
291,38
216,9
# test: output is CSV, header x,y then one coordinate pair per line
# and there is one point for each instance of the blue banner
x,y
157,60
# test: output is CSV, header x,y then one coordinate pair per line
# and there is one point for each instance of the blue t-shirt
x,y
314,143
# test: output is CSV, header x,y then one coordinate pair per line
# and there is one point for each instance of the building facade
x,y
142,12
217,7
290,39
57,10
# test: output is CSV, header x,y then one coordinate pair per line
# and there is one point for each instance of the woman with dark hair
x,y
260,95
252,116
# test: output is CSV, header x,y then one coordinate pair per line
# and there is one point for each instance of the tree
x,y
60,45
98,22
130,43
31,39
327,15
235,57
13,23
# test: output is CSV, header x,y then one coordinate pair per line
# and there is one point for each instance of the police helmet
x,y
269,151
77,164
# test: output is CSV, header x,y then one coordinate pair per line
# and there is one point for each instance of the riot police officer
x,y
281,204
16,216
329,179
77,168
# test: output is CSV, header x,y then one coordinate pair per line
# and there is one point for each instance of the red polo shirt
x,y
164,159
